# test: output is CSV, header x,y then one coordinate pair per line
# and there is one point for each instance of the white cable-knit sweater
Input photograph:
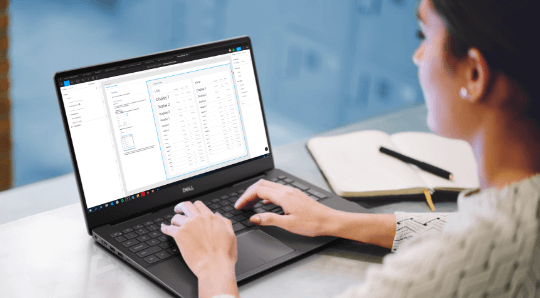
x,y
489,248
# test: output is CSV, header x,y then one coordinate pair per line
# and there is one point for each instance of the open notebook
x,y
354,167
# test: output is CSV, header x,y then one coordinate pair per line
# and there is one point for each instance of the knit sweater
x,y
490,247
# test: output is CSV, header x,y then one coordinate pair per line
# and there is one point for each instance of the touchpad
x,y
256,248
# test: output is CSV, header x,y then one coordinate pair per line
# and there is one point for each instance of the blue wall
x,y
321,64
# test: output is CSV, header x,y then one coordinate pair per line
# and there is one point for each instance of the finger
x,y
178,208
178,220
270,219
224,221
169,230
202,208
252,197
189,209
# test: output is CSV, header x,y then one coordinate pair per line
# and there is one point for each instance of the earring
x,y
463,93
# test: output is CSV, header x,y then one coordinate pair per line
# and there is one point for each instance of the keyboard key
x,y
224,197
129,230
153,242
151,259
152,228
138,227
300,186
269,206
224,202
163,255
240,191
233,200
227,208
144,238
317,194
165,245
148,223
232,194
247,223
215,206
130,235
155,234
173,250
258,205
227,215
120,238
216,200
233,221
163,238
275,210
130,242
248,212
236,212
288,180
259,210
274,179
240,217
149,251
282,183
238,226
281,212
159,219
138,247
141,231
116,234
314,197
168,216
281,177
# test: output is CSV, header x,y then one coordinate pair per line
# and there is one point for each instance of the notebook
x,y
354,167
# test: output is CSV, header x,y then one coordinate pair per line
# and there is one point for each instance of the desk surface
x,y
46,251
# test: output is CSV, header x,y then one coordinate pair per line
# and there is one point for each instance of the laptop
x,y
149,132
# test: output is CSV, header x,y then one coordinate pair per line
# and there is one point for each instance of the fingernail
x,y
256,219
236,204
178,208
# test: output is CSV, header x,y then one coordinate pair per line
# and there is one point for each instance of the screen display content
x,y
140,127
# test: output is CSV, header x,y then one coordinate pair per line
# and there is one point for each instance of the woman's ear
x,y
477,76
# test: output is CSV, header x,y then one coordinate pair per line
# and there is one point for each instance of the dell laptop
x,y
150,132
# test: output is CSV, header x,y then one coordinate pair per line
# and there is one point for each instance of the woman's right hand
x,y
303,215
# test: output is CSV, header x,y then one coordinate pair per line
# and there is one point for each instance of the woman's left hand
x,y
206,240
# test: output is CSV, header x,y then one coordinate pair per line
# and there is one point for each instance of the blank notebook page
x,y
454,156
352,163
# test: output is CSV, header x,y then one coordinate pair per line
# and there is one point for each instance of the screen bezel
x,y
204,183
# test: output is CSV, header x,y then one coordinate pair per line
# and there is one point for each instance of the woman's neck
x,y
506,150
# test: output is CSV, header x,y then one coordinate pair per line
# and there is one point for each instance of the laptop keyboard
x,y
146,240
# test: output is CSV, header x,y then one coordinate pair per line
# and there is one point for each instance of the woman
x,y
478,68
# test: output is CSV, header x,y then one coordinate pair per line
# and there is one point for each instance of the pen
x,y
422,165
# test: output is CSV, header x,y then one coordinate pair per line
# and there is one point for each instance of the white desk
x,y
46,251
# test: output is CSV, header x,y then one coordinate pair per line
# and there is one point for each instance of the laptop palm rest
x,y
256,248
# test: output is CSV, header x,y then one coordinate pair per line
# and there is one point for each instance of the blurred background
x,y
321,64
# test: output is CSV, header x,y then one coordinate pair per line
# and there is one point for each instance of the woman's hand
x,y
307,217
208,245
303,215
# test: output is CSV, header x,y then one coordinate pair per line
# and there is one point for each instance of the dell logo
x,y
186,189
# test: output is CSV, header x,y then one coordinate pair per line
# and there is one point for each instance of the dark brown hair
x,y
505,32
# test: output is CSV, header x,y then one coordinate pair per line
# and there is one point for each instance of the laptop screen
x,y
138,128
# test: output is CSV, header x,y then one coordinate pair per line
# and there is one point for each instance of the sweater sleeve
x,y
410,225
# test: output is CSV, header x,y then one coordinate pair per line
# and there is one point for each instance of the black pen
x,y
422,165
